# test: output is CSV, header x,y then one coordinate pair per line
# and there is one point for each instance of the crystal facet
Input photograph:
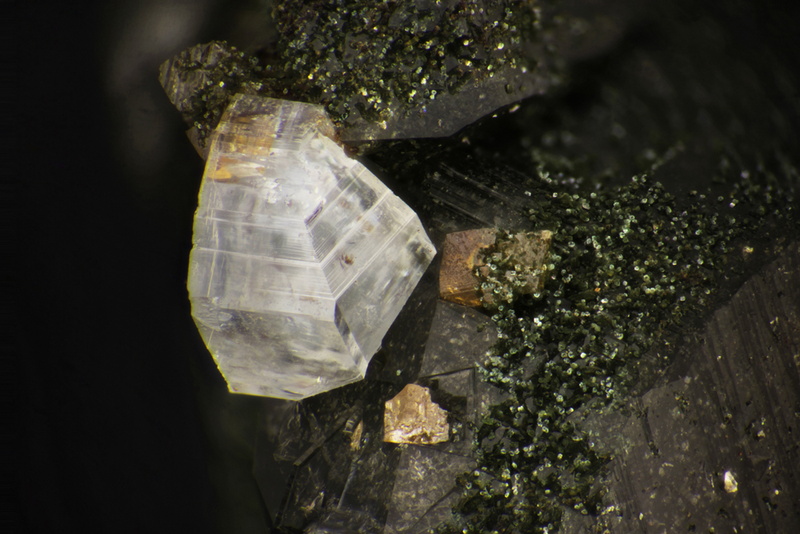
x,y
302,258
460,256
412,417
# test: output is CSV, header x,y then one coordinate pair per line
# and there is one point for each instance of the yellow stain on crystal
x,y
228,169
412,417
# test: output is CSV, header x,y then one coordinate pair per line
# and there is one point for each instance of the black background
x,y
124,423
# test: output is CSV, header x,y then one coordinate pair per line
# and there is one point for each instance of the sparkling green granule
x,y
627,266
380,57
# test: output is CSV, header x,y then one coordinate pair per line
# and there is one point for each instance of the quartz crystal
x,y
302,258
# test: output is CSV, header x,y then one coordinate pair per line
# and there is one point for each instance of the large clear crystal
x,y
302,258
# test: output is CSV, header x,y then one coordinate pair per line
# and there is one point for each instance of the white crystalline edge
x,y
284,376
341,278
290,336
285,190
227,235
247,374
363,266
356,248
267,112
300,118
370,310
339,211
255,290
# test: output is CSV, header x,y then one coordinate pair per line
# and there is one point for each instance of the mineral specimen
x,y
335,446
518,260
393,70
302,258
200,80
457,280
412,417
522,253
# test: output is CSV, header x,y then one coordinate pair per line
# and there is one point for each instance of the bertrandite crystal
x,y
302,258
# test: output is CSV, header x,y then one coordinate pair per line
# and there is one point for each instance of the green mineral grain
x,y
377,65
380,57
627,267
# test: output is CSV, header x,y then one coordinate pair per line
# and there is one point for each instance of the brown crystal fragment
x,y
457,280
522,254
355,438
412,417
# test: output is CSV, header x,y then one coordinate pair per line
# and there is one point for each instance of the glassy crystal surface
x,y
461,254
302,258
412,417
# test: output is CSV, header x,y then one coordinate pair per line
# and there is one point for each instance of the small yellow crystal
x,y
412,417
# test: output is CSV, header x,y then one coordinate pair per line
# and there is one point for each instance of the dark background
x,y
123,422
126,426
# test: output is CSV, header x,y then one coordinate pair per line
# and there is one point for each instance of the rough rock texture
x,y
331,452
727,412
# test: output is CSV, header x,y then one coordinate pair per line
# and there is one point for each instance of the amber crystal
x,y
412,417
460,257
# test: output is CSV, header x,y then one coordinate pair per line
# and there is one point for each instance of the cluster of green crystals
x,y
626,266
372,62
383,56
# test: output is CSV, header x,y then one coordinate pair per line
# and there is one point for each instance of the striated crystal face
x,y
302,258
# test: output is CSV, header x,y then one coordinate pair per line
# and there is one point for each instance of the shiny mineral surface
x,y
302,258
460,256
412,417
414,69
383,70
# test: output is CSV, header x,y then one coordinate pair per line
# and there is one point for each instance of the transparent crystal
x,y
302,258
